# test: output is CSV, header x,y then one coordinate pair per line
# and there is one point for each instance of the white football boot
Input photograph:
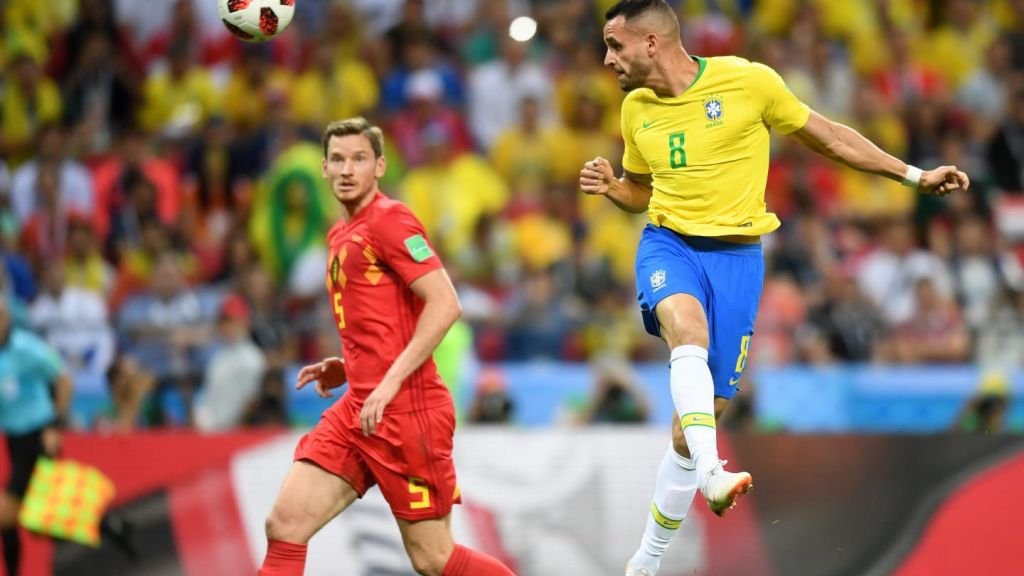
x,y
722,489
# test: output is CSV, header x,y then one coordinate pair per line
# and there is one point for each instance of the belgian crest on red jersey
x,y
335,267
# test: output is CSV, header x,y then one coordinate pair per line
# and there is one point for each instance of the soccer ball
x,y
256,20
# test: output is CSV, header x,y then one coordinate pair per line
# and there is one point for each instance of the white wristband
x,y
913,176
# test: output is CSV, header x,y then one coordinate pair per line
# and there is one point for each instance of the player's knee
x,y
284,525
685,333
428,562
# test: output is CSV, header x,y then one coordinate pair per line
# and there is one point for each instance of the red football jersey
x,y
371,262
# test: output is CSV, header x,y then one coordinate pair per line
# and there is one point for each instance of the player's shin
x,y
693,393
283,559
673,493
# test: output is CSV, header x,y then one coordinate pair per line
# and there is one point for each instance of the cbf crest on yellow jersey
x,y
707,149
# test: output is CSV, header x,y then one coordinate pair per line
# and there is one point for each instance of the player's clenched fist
x,y
328,374
943,180
596,176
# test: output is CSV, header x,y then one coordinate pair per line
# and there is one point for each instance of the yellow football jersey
x,y
707,148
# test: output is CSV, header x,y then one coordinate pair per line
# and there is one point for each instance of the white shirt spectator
x,y
76,191
496,91
76,325
231,382
889,278
980,280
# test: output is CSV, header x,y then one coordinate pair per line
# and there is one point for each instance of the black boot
x,y
121,533
12,549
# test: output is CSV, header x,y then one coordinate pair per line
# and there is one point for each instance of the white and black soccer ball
x,y
256,20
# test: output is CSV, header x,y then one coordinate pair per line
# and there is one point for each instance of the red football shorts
x,y
409,456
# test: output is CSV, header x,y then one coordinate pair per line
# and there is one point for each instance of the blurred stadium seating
x,y
154,169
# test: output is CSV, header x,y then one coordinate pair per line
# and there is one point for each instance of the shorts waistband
x,y
711,244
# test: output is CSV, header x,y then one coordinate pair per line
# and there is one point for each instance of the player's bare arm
x,y
847,146
328,374
441,309
631,193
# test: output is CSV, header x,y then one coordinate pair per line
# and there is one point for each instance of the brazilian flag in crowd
x,y
292,209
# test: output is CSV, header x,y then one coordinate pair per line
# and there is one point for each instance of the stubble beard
x,y
635,78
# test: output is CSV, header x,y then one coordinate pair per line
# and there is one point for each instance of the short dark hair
x,y
352,126
630,9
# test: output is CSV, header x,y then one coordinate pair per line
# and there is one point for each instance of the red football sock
x,y
465,562
284,559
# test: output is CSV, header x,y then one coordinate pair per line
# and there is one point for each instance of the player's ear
x,y
323,167
382,166
652,42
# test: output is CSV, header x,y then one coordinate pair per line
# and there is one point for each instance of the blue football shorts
x,y
727,279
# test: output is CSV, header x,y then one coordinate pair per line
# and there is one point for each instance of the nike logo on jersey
x,y
648,124
734,381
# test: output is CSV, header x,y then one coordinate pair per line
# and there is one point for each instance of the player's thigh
x,y
679,439
682,321
671,288
309,498
429,543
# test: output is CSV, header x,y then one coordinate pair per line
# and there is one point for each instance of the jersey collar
x,y
702,63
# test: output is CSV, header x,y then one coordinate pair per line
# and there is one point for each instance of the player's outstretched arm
x,y
847,146
631,193
441,309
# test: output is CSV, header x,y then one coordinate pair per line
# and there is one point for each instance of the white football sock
x,y
673,492
693,393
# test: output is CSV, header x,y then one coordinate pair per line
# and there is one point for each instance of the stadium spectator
x,y
75,322
491,403
183,22
29,100
72,51
424,92
176,102
615,397
166,329
75,186
985,412
269,408
980,271
985,91
934,333
889,275
495,89
129,387
44,232
268,321
252,87
529,156
332,87
116,173
845,324
451,191
1005,154
539,318
84,265
100,93
232,381
420,53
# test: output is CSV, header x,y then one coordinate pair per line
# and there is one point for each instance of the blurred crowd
x,y
163,214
